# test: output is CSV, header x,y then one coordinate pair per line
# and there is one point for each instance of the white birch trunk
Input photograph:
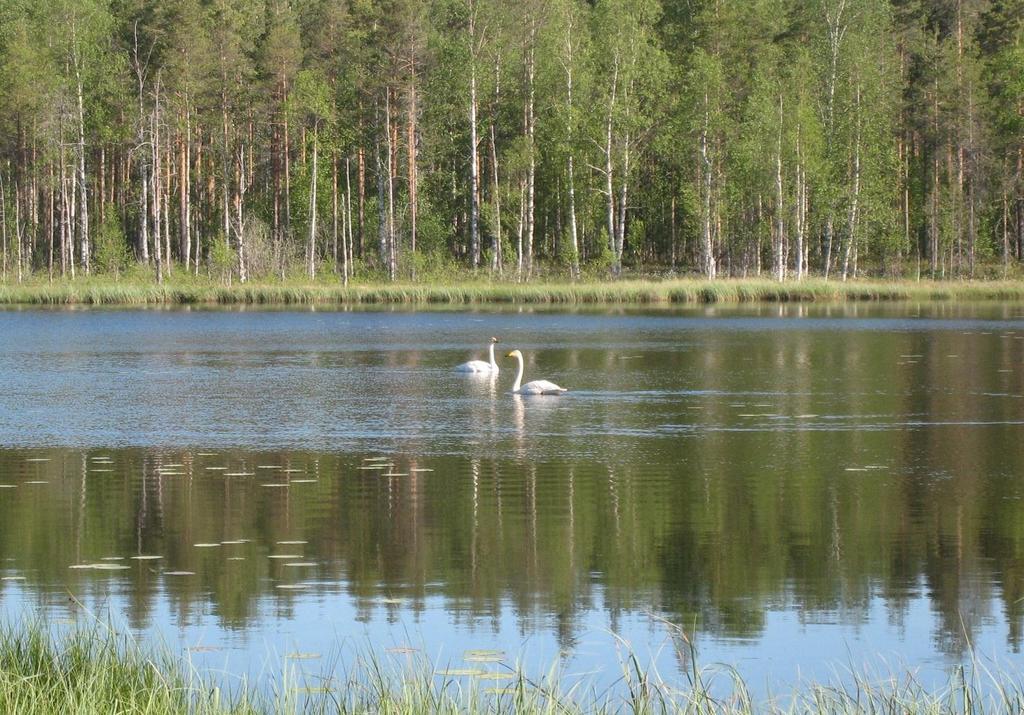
x,y
705,174
83,211
474,160
780,236
311,245
854,194
531,174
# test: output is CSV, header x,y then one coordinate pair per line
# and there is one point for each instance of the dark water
x,y
797,490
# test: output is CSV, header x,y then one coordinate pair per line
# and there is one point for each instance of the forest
x,y
397,139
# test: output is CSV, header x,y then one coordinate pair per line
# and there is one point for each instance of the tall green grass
x,y
106,291
96,671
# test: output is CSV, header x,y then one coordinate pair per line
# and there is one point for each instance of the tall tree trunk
x,y
18,227
836,32
347,268
474,159
608,168
311,245
240,180
334,208
155,159
496,197
392,152
83,209
519,230
184,192
412,172
382,204
780,227
705,173
620,228
851,230
800,205
3,229
531,171
569,64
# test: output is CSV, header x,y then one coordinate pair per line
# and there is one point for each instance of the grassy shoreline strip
x,y
95,670
637,292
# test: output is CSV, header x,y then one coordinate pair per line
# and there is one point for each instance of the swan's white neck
x,y
519,374
494,365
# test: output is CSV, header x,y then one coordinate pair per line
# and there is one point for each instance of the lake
x,y
790,490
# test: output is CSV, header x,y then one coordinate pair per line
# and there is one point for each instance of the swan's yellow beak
x,y
511,354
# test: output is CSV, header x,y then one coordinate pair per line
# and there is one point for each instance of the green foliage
x,y
222,258
112,254
685,104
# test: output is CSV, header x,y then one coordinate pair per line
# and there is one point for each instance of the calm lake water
x,y
794,490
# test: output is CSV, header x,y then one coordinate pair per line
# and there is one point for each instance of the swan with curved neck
x,y
479,366
536,387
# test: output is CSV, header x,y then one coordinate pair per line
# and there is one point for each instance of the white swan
x,y
479,365
537,387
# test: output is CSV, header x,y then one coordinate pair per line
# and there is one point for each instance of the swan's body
x,y
536,387
479,366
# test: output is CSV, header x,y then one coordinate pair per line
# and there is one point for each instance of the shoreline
x,y
93,668
683,291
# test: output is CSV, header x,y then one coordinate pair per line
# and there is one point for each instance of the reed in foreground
x,y
98,671
187,290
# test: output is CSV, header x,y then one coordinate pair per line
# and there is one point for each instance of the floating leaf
x,y
8,486
268,466
179,573
12,578
302,564
285,556
303,481
146,557
274,485
296,541
483,656
206,546
420,469
239,474
101,567
292,586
